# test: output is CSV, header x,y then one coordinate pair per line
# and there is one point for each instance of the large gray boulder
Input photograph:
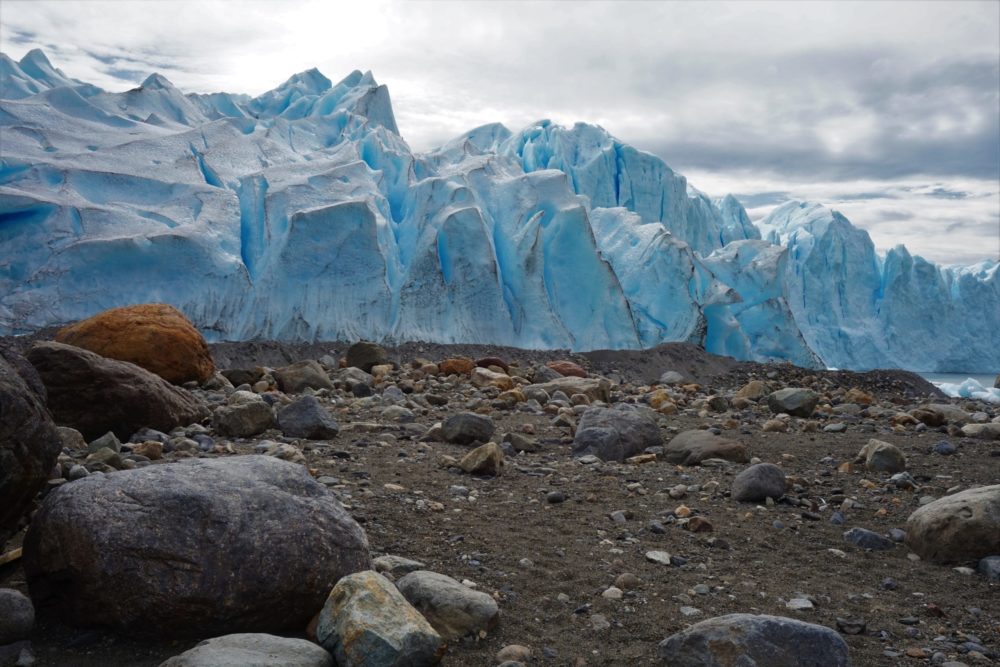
x,y
466,428
454,610
759,482
615,434
366,355
594,388
202,546
253,650
301,375
794,401
748,640
29,441
961,527
366,621
692,447
307,418
95,395
245,414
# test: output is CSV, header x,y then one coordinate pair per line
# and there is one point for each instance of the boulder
x,y
466,428
759,482
961,527
95,395
245,414
17,616
29,441
794,401
452,609
750,640
879,456
202,546
567,368
302,375
693,447
989,431
672,378
947,413
753,390
366,621
868,539
238,376
484,377
456,366
253,650
483,460
596,389
486,362
366,355
615,434
154,336
307,418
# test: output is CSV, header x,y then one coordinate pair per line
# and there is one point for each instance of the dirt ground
x,y
548,564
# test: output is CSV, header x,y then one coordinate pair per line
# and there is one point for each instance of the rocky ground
x,y
596,562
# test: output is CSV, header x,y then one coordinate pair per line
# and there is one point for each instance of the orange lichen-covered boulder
x,y
155,336
457,366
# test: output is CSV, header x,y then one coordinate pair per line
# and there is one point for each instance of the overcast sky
x,y
889,112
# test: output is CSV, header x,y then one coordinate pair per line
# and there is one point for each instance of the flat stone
x,y
695,446
866,539
751,640
253,650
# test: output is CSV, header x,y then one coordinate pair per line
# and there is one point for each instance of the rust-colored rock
x,y
567,368
457,366
154,336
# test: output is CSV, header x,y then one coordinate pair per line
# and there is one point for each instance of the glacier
x,y
302,214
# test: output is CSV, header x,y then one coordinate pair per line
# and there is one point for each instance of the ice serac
x,y
856,309
302,214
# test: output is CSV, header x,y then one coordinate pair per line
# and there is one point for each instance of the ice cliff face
x,y
301,214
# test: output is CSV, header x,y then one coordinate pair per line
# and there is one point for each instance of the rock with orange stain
x,y
567,368
457,366
154,336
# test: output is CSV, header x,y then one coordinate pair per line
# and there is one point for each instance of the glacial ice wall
x,y
302,214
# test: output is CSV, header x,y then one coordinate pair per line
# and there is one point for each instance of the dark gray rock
x,y
466,428
29,441
794,401
202,546
365,355
253,650
301,375
366,622
95,395
749,640
307,418
759,482
238,376
615,434
867,539
960,527
452,609
693,447
17,616
109,440
18,654
989,567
